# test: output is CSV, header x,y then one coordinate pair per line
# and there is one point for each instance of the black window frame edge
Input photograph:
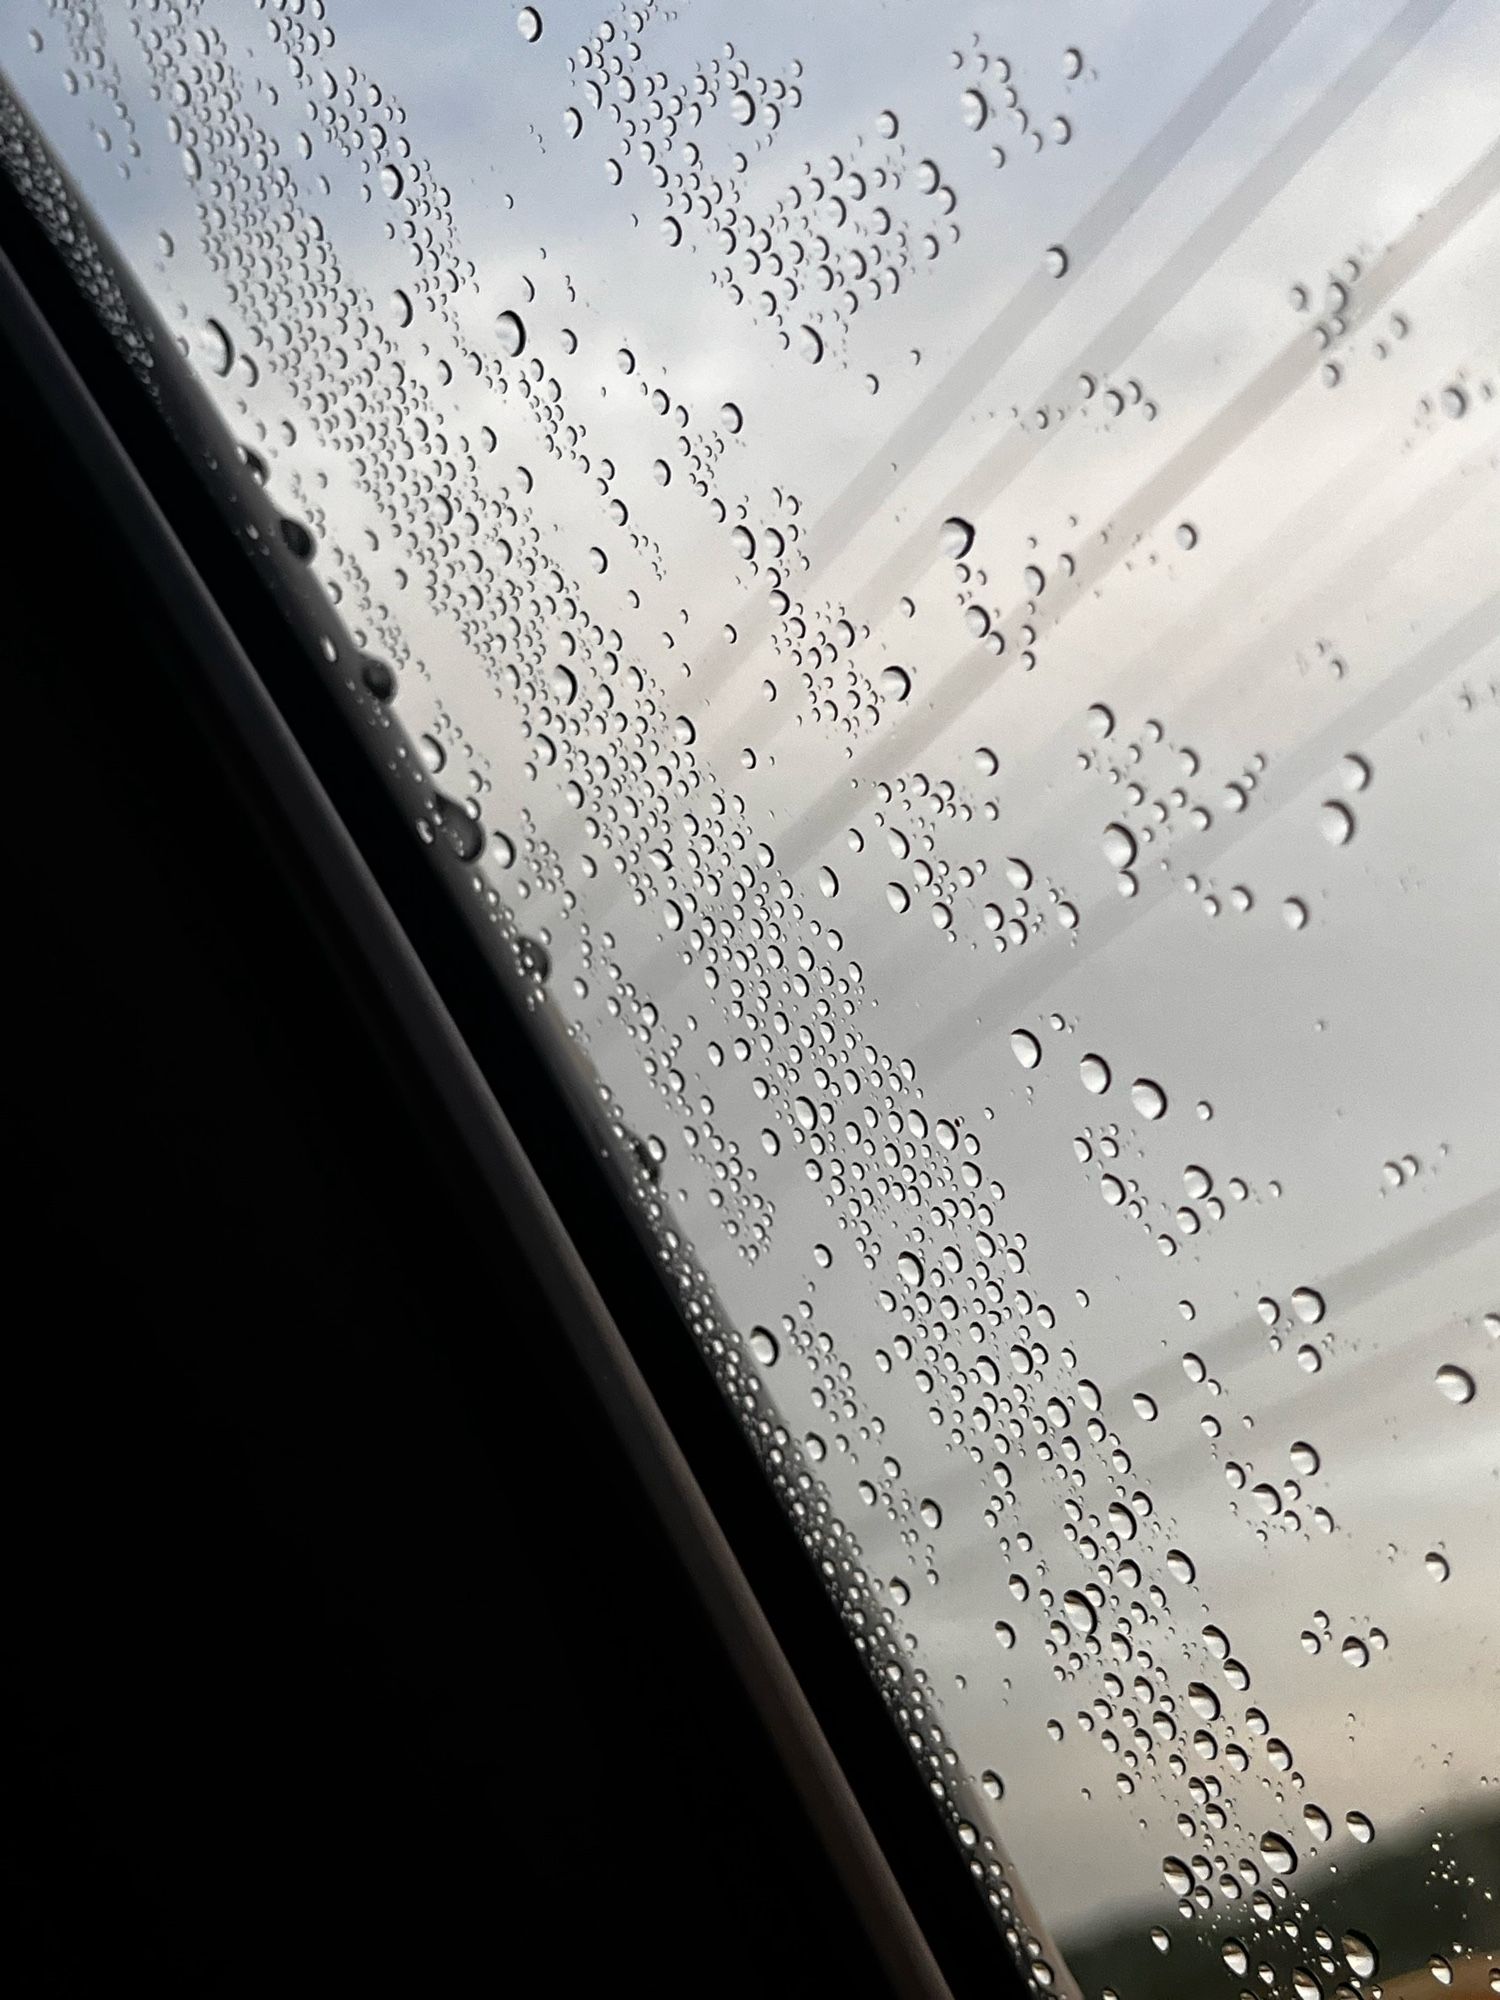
x,y
412,964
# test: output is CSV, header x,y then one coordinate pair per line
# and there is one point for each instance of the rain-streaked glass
x,y
944,560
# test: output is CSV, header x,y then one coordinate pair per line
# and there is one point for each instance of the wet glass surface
x,y
943,560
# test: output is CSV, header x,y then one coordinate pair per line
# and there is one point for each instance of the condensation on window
x,y
942,561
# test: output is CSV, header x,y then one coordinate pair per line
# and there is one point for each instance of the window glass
x,y
941,560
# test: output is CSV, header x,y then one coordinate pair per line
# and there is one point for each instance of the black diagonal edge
x,y
412,921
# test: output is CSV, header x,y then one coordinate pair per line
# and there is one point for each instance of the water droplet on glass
x,y
742,107
1354,1652
1101,721
895,683
1094,1073
1360,1827
973,109
529,22
220,347
1456,1383
1278,1854
955,537
1437,1566
1360,1953
764,1346
810,343
993,1785
828,882
1119,846
1294,913
378,678
1025,1047
1080,1614
1005,1635
1144,1406
1149,1099
511,334
1187,535
1355,773
1335,822
1056,261
458,827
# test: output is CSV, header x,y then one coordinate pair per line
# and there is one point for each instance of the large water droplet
x,y
1149,1099
1456,1383
1335,822
1118,845
1080,1614
1278,1854
462,832
529,22
220,347
1360,1952
1025,1047
764,1346
956,537
511,334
